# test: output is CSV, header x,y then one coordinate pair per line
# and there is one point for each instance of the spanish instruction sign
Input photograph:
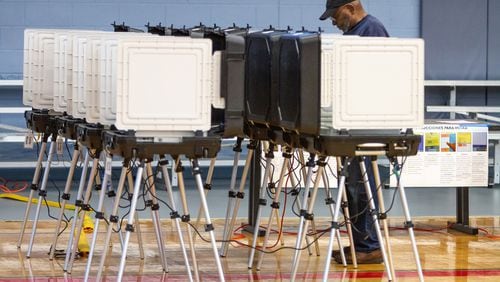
x,y
452,153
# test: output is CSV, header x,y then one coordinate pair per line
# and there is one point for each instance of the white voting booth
x,y
164,85
368,85
372,83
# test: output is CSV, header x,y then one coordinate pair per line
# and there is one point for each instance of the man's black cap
x,y
332,6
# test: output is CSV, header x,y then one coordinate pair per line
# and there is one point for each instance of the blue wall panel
x,y
493,94
401,17
11,13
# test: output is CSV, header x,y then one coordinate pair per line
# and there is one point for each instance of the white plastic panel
x,y
108,81
28,62
164,85
63,67
37,61
32,74
218,101
61,40
92,80
327,47
377,83
85,74
80,71
100,98
43,83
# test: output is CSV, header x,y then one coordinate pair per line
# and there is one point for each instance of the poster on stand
x,y
452,153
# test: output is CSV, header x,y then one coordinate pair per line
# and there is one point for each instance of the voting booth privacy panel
x,y
366,83
170,86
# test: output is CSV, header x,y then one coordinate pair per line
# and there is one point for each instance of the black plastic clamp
x,y
408,224
86,207
275,205
129,227
78,203
174,215
98,187
240,195
209,227
111,194
335,225
155,207
344,205
34,187
309,216
329,201
113,218
232,194
262,202
208,186
65,196
149,203
185,218
42,193
99,215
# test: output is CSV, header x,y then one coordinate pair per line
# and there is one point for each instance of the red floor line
x,y
267,276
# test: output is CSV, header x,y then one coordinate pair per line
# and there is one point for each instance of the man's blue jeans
x,y
364,233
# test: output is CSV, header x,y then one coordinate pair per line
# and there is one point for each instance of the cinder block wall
x,y
401,17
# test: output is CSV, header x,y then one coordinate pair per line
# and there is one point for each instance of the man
x,y
350,17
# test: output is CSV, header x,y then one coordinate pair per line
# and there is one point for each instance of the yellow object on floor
x,y
88,225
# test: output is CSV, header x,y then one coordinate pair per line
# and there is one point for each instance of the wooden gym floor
x,y
445,255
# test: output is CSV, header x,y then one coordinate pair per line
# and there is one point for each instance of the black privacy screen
x,y
261,78
299,72
233,82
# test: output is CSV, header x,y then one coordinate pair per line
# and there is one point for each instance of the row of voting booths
x,y
171,94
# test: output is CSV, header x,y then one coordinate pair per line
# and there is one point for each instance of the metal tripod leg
x,y
78,203
113,218
307,215
155,214
262,202
42,194
347,217
34,187
174,215
130,221
65,197
185,217
84,209
383,218
329,202
231,196
287,154
335,223
207,187
130,180
296,193
236,197
408,223
313,223
373,209
99,214
298,244
209,226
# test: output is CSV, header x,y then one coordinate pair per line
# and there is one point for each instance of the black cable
x,y
321,234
